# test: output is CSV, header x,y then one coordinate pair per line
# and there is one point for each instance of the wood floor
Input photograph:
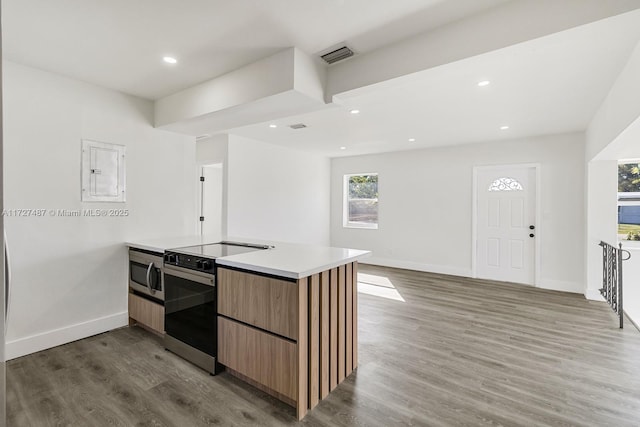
x,y
455,352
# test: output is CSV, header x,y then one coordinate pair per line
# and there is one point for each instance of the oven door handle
x,y
183,273
151,290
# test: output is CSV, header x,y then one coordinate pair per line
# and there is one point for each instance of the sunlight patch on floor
x,y
378,286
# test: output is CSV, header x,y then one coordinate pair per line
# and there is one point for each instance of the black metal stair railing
x,y
611,290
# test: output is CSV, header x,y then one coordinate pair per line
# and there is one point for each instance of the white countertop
x,y
161,244
289,260
293,261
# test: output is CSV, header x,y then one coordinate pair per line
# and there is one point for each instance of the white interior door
x,y
506,224
211,200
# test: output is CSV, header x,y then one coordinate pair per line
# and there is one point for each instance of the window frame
x,y
621,201
505,183
345,203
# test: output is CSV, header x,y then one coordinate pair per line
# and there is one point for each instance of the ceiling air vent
x,y
337,55
202,137
298,126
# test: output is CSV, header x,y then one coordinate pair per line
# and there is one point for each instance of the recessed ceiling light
x,y
484,83
343,148
412,140
170,60
273,125
355,111
504,127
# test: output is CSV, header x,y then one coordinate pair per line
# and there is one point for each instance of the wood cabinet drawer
x,y
265,302
262,357
146,312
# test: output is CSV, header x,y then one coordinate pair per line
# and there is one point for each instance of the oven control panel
x,y
191,262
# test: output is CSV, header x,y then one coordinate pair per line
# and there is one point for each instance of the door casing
x,y
474,216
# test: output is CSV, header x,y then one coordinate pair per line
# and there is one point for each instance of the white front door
x,y
506,224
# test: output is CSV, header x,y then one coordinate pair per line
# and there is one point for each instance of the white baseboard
x,y
633,316
417,266
56,337
561,285
593,294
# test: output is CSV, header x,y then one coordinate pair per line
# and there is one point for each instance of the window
x,y
629,201
505,184
361,200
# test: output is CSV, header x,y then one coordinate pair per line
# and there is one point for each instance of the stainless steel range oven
x,y
190,309
190,314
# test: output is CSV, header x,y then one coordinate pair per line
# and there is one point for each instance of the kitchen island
x,y
287,319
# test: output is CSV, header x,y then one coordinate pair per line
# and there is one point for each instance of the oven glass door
x,y
190,311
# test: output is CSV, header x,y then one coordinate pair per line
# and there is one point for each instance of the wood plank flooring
x,y
456,352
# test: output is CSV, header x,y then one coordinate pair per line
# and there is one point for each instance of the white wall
x,y
3,381
212,150
618,110
602,219
70,273
610,136
425,206
275,193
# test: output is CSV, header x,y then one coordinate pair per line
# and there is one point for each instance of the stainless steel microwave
x,y
145,273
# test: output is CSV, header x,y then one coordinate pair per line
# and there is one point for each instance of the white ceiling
x,y
545,86
119,43
548,85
